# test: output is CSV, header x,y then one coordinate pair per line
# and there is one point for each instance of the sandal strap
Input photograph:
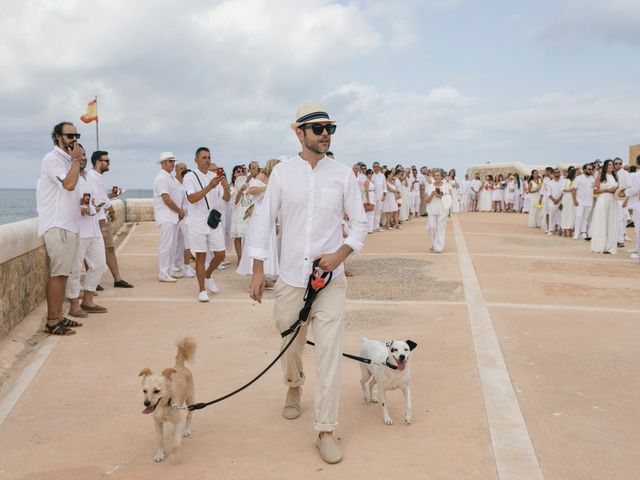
x,y
67,322
59,329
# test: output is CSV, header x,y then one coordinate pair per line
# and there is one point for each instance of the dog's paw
x,y
159,456
388,420
373,400
407,419
186,433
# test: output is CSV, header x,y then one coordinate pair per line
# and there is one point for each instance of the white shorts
x,y
207,242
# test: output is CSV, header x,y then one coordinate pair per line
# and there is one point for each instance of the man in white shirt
x,y
476,186
182,254
310,194
380,184
167,213
584,196
624,181
101,163
58,206
204,195
633,202
554,195
90,251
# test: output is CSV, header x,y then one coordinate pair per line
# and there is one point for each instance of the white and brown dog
x,y
174,388
389,369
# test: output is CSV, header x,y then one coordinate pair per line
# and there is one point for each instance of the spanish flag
x,y
92,112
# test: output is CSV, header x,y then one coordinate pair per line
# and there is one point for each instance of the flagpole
x,y
97,120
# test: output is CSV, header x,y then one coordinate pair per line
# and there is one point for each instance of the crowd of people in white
x,y
594,202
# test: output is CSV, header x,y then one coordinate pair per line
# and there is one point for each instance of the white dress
x,y
271,268
604,222
390,203
536,209
568,215
510,193
455,196
484,200
238,223
404,196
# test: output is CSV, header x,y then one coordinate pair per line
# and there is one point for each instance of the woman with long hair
x,y
569,204
240,201
390,206
257,187
455,191
369,199
604,222
525,197
438,198
536,210
484,198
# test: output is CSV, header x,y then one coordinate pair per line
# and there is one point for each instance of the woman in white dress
x,y
390,204
484,198
569,204
526,197
403,187
536,210
414,184
369,199
257,187
455,191
240,201
497,195
510,194
439,199
604,222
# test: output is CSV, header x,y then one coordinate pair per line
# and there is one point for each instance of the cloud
x,y
608,21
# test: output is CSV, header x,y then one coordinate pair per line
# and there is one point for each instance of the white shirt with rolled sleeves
x,y
98,185
165,183
57,207
198,212
89,226
310,203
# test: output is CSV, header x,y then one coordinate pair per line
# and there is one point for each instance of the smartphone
x,y
86,198
114,190
220,172
100,205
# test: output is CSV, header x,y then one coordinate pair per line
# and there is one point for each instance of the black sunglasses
x,y
71,136
317,128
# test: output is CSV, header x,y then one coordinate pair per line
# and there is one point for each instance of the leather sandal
x,y
67,322
58,329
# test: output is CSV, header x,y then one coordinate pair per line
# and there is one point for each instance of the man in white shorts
x,y
205,190
58,206
310,194
167,213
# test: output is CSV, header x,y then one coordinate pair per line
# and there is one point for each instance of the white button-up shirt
x,y
89,225
310,203
199,212
584,190
165,183
380,182
99,187
57,207
633,192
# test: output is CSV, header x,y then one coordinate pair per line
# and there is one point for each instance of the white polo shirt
x,y
57,207
165,183
310,203
198,212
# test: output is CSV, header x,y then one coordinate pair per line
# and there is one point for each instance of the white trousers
x,y
622,222
370,220
327,326
91,250
554,215
635,216
166,247
182,243
583,218
437,227
377,213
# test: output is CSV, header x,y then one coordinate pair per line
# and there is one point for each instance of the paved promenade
x,y
526,368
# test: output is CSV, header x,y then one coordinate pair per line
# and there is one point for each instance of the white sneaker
x,y
177,274
188,272
167,279
634,256
175,268
225,262
221,267
203,297
210,285
549,233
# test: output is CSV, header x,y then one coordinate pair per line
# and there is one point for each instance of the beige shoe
x,y
329,451
291,409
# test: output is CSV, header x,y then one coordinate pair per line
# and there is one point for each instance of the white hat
x,y
166,156
311,112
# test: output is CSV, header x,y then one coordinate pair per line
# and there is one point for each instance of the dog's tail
x,y
186,351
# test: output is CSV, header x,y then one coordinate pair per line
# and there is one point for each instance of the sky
x,y
447,83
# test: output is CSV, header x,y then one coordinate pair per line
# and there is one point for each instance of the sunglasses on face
x,y
617,164
105,161
317,129
71,136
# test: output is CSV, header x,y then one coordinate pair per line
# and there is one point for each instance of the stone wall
x,y
24,267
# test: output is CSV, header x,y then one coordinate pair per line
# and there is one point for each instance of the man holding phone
x,y
58,206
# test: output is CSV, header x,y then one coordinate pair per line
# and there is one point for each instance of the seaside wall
x,y
24,268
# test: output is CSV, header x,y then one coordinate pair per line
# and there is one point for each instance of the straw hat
x,y
166,156
311,112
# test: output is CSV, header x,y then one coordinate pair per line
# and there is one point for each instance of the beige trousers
x,y
327,326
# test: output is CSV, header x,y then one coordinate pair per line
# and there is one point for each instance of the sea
x,y
20,203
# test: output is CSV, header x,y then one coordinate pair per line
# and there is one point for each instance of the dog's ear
x,y
411,344
168,372
145,372
389,343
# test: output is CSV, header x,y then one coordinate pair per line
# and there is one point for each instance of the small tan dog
x,y
173,388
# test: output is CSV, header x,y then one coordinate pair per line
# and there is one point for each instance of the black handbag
x,y
213,220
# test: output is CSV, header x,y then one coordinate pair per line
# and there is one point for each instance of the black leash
x,y
368,361
316,283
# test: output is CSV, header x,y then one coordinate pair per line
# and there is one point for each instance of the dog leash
x,y
368,361
316,283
